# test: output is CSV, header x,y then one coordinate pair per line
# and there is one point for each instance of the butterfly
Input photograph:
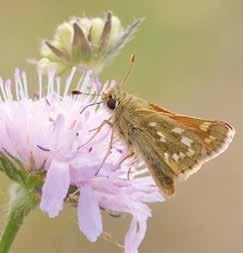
x,y
172,145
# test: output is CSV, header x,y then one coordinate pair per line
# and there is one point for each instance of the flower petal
x,y
89,217
55,188
135,234
130,237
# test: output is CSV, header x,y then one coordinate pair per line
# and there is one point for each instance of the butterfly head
x,y
113,97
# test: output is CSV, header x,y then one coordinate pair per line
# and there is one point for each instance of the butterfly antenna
x,y
77,92
131,63
89,105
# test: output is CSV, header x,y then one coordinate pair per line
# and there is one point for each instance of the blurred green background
x,y
190,60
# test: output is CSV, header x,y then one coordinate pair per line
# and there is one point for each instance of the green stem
x,y
22,201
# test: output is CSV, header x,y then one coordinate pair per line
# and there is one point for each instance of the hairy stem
x,y
22,201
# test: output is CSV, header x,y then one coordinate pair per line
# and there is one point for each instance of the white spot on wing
x,y
175,157
166,156
187,141
162,137
178,130
182,155
153,124
190,152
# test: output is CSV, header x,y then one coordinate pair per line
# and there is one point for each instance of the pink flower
x,y
49,132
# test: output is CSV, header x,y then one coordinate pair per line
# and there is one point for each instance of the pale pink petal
x,y
130,237
55,188
89,217
142,223
135,234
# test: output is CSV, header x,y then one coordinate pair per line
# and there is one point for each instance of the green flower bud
x,y
46,63
85,41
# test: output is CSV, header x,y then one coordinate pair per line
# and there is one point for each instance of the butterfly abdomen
x,y
160,172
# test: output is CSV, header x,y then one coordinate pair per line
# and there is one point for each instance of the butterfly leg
x,y
97,129
106,121
108,151
111,213
129,173
107,236
125,158
72,197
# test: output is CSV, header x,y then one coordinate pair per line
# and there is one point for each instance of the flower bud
x,y
85,41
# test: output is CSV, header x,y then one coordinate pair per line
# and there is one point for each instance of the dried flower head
x,y
87,41
47,144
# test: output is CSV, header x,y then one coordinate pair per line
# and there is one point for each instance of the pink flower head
x,y
48,132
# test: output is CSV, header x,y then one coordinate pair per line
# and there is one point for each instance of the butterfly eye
x,y
111,103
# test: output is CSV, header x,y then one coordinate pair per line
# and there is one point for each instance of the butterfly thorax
x,y
123,107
